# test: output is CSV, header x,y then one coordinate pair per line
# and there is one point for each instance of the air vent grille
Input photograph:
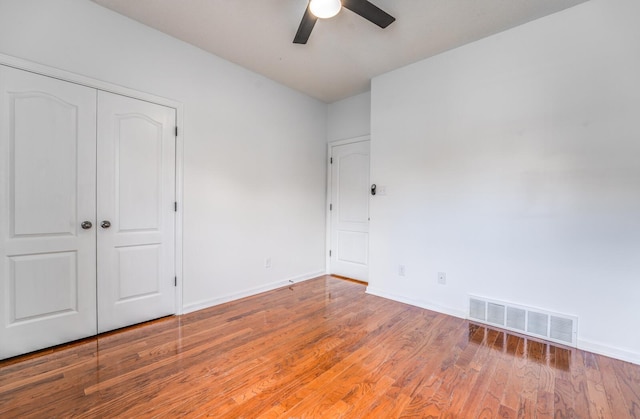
x,y
555,327
516,318
495,314
538,323
477,309
561,329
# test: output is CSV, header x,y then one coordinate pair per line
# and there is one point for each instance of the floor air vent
x,y
516,318
478,309
495,314
561,328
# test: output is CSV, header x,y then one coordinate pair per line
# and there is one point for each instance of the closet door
x,y
136,218
47,212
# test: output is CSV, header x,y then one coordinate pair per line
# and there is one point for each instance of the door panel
x,y
47,189
352,247
42,285
139,186
350,214
353,185
44,143
136,194
138,271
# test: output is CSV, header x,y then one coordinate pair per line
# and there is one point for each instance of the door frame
x,y
330,145
75,78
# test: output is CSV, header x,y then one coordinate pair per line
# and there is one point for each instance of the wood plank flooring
x,y
317,349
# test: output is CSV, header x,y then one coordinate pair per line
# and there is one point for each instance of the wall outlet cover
x,y
442,278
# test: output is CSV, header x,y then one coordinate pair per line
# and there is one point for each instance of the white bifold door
x,y
86,214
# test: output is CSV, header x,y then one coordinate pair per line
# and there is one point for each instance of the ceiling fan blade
x,y
306,26
369,11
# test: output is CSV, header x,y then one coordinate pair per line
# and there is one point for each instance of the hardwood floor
x,y
320,349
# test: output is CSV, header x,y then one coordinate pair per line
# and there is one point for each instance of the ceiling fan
x,y
328,8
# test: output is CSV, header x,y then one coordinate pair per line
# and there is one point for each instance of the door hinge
x,y
330,207
176,130
175,207
331,160
329,253
175,281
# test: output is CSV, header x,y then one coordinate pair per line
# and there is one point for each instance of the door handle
x,y
86,225
105,224
373,189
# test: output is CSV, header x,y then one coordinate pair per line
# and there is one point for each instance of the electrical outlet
x,y
401,270
442,278
267,262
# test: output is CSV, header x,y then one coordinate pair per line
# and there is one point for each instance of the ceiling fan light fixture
x,y
325,9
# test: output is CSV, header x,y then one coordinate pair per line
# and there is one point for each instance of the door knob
x,y
86,225
105,224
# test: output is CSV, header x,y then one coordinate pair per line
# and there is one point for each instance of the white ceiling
x,y
343,53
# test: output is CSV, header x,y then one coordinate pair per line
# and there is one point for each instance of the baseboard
x,y
199,305
610,351
418,303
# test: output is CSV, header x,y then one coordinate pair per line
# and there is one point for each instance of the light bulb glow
x,y
325,9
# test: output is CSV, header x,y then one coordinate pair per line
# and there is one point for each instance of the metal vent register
x,y
556,327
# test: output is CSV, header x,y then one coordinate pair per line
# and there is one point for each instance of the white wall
x,y
254,151
513,165
349,118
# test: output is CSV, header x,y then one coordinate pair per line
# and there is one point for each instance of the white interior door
x,y
136,195
47,190
350,210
